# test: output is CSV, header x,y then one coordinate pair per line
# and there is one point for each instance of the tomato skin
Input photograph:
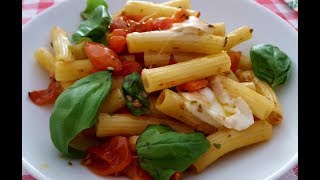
x,y
135,172
102,57
117,43
176,176
235,59
193,85
109,158
181,16
162,23
128,67
119,23
119,32
47,96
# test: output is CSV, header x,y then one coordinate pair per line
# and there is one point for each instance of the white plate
x,y
262,161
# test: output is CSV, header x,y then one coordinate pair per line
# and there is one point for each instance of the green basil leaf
x,y
162,151
270,64
91,5
95,27
76,109
136,98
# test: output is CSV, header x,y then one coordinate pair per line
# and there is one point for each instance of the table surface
x,y
30,9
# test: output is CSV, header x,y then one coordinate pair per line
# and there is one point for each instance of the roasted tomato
x,y
193,85
111,157
102,57
46,96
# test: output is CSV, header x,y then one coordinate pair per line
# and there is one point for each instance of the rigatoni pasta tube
x,y
66,84
129,125
169,76
184,4
250,85
171,41
45,59
245,63
114,101
238,36
172,104
79,51
150,9
61,43
159,59
264,89
260,106
228,140
219,29
154,112
72,70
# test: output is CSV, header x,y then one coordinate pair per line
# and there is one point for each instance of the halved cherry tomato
x,y
102,57
193,85
117,43
172,60
162,23
109,158
181,16
235,59
128,67
119,32
48,95
119,23
135,172
176,176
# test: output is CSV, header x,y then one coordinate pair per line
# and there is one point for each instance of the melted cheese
x,y
192,26
216,107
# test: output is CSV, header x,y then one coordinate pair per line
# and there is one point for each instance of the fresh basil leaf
x,y
76,109
91,5
94,27
270,64
163,151
136,98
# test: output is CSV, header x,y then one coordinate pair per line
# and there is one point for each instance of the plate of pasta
x,y
164,90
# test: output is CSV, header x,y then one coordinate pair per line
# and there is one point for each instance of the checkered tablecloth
x,y
30,8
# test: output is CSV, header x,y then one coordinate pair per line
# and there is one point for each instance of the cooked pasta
x,y
128,125
228,140
169,76
139,92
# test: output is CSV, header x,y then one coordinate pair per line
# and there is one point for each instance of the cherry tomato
x,y
135,172
181,16
193,85
119,23
102,57
162,23
235,59
48,95
176,176
128,67
117,43
109,158
119,32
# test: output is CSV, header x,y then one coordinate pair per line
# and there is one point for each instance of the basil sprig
x,y
76,109
270,64
136,98
162,151
91,6
95,27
